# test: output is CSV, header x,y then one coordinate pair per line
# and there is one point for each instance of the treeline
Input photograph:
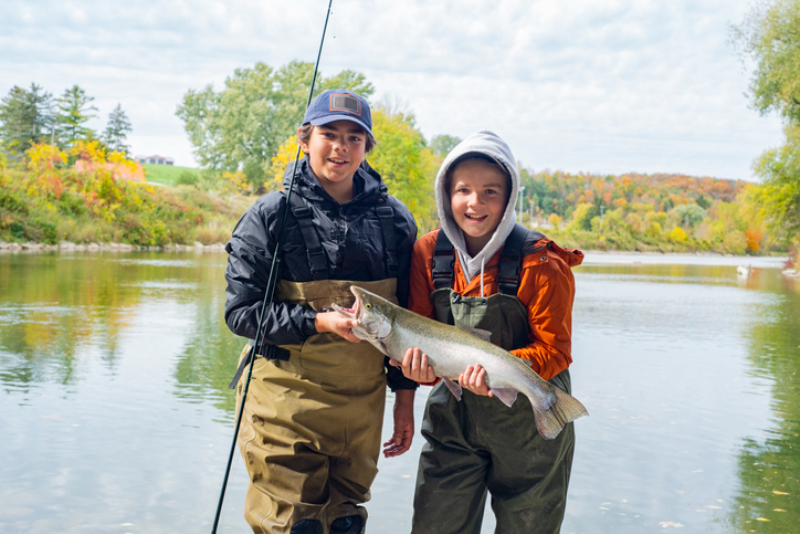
x,y
668,213
32,116
244,137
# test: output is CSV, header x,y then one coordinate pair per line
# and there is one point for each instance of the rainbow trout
x,y
450,350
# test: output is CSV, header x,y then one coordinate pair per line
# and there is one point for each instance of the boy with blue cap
x,y
310,434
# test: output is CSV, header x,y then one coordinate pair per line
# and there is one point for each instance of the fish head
x,y
374,315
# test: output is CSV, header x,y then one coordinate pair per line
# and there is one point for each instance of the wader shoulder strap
x,y
511,261
508,271
443,262
386,218
317,261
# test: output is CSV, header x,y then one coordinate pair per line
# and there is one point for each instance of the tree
x,y
242,127
74,110
117,130
25,117
689,215
703,202
441,145
407,165
770,36
779,195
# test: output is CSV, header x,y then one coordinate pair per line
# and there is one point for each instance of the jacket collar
x,y
367,183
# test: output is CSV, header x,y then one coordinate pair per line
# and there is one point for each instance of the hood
x,y
489,144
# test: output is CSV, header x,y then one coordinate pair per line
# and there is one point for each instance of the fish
x,y
393,330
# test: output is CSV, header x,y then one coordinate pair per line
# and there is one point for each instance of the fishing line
x,y
270,289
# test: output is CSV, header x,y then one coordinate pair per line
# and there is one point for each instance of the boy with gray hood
x,y
483,271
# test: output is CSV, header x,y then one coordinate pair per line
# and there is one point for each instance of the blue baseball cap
x,y
339,105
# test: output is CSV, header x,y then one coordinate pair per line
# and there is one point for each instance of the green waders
x,y
311,428
479,444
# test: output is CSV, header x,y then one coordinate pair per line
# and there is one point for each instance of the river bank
x,y
67,246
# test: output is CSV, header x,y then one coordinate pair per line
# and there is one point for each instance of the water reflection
x,y
116,414
769,467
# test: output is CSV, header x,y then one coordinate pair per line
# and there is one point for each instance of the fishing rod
x,y
269,293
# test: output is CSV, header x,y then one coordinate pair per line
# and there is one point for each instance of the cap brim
x,y
333,118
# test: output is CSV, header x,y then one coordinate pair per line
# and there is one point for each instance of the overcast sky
x,y
602,86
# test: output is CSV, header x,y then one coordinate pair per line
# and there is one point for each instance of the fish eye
x,y
368,306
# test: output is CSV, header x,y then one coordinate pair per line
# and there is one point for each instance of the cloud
x,y
593,85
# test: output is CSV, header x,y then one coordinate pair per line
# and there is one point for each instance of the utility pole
x,y
521,202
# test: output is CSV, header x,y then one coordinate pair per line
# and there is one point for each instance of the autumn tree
x,y
405,162
769,36
26,117
116,133
241,127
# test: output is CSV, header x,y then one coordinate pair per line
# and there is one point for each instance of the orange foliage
x,y
753,239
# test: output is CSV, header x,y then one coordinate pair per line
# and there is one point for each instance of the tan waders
x,y
310,433
479,444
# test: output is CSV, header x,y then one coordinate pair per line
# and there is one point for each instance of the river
x,y
116,416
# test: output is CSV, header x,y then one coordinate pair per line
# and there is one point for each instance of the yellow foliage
x,y
234,182
122,159
554,220
280,161
42,156
89,151
678,235
406,165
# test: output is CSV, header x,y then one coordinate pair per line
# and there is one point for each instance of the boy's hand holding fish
x,y
415,366
335,323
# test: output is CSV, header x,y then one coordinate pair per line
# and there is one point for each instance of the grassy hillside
x,y
78,196
170,174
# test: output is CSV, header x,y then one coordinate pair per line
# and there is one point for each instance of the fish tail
x,y
550,421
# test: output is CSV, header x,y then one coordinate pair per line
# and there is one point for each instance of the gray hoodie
x,y
490,144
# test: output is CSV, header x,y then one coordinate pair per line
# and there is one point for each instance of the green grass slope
x,y
170,174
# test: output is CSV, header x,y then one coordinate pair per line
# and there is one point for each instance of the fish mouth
x,y
352,313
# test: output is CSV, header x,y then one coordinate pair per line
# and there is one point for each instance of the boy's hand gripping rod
x,y
270,289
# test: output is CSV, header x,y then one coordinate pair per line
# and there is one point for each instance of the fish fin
x,y
564,408
480,333
507,395
454,388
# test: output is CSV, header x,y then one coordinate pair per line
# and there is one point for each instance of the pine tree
x,y
74,110
117,130
26,117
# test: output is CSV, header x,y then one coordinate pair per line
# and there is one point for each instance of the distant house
x,y
157,160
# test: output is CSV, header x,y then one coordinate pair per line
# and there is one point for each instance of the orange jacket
x,y
546,289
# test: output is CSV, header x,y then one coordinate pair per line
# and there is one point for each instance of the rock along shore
x,y
66,246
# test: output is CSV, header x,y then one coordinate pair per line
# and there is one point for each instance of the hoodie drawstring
x,y
482,260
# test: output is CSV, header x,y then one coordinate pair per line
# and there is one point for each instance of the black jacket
x,y
350,235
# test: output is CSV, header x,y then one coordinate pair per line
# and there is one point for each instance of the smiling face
x,y
478,196
335,150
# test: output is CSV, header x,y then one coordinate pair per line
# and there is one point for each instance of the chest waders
x,y
310,432
479,444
